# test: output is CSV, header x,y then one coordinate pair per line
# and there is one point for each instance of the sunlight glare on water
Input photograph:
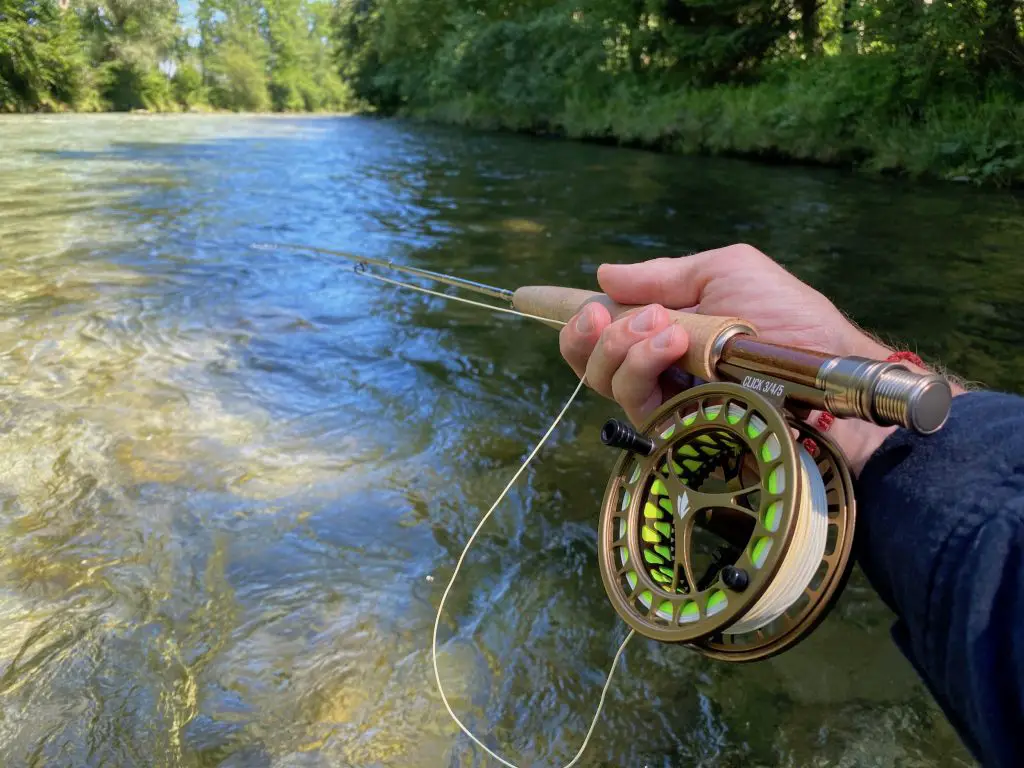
x,y
227,474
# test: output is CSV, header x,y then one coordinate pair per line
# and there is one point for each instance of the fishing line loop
x,y
458,567
501,496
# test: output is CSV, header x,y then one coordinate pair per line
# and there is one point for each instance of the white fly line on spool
x,y
810,533
806,549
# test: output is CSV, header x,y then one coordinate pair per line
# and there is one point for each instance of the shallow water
x,y
234,482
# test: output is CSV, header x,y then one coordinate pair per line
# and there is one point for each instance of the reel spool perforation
x,y
726,465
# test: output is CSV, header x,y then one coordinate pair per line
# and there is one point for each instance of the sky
x,y
187,11
187,8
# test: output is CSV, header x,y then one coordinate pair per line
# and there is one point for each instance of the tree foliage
x,y
42,62
848,81
137,54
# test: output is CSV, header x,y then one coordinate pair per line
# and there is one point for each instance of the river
x,y
235,482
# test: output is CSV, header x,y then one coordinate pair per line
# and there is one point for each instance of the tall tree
x,y
236,53
43,61
1002,45
809,26
129,40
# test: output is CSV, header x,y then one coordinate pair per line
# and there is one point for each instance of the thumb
x,y
674,283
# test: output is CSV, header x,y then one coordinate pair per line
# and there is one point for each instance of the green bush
x,y
187,86
127,86
239,81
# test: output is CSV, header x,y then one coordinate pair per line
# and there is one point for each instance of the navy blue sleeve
x,y
940,535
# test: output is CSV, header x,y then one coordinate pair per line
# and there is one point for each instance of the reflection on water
x,y
226,475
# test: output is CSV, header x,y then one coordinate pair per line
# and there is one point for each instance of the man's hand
x,y
624,360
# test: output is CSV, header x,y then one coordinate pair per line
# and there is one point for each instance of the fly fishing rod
x,y
719,529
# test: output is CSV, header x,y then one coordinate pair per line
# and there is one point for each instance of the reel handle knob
x,y
708,333
618,434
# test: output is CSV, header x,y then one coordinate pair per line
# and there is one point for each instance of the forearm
x,y
940,534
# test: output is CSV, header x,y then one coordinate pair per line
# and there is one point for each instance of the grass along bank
x,y
807,114
922,89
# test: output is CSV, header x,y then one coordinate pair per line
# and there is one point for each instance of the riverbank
x,y
978,143
922,90
805,118
202,112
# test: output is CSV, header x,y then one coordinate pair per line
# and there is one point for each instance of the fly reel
x,y
719,530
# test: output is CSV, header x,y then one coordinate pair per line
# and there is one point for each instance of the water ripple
x,y
233,483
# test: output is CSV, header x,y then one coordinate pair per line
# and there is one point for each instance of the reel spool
x,y
719,530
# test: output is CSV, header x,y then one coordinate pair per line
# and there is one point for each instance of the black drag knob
x,y
616,434
735,578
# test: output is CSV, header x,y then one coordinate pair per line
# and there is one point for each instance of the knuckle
x,y
616,338
745,253
636,358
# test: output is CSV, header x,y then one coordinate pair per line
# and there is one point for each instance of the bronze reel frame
x,y
675,610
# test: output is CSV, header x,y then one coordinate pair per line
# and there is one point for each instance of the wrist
x,y
858,440
861,345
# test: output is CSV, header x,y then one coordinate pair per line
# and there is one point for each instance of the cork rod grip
x,y
560,304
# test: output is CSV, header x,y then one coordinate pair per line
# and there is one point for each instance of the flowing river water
x,y
235,482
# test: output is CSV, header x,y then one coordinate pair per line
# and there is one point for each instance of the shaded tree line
x,y
138,54
931,87
408,51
